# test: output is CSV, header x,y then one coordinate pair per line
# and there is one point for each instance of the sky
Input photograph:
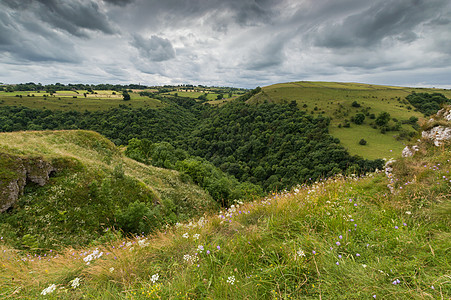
x,y
240,43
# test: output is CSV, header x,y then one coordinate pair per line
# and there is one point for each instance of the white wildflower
x,y
94,255
143,243
408,212
48,290
231,279
75,283
300,253
190,258
111,270
364,265
128,244
200,248
154,278
186,235
196,236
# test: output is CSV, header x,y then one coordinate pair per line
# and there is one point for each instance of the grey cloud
x,y
266,56
25,41
156,48
75,17
119,2
394,19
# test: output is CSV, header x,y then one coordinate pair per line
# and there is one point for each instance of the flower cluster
x,y
94,255
231,279
154,278
48,290
75,283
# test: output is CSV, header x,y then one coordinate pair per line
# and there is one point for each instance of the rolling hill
x,y
335,100
89,188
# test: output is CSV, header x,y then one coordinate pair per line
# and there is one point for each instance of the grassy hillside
x,y
93,191
342,238
335,100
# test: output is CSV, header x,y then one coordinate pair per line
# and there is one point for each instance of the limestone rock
x,y
438,135
410,151
15,172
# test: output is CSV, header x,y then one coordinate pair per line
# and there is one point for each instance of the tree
x,y
359,118
126,95
362,142
382,119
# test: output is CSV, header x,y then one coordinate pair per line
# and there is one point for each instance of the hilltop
x,y
343,101
382,236
76,186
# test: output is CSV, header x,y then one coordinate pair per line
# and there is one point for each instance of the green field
x,y
76,100
334,100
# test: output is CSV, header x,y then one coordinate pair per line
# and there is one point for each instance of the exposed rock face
x,y
16,172
438,134
445,113
409,151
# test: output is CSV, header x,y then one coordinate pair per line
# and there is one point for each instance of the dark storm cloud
x,y
75,17
395,19
155,48
119,2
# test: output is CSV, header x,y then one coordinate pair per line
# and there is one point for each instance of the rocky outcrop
x,y
409,151
16,172
438,135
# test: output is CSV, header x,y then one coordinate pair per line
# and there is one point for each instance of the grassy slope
x,y
344,238
63,100
329,96
68,197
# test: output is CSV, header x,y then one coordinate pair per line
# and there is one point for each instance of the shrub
x,y
362,142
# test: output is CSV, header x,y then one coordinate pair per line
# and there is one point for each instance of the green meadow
x,y
76,100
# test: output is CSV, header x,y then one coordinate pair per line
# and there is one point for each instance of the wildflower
x,y
339,256
337,263
340,237
338,243
300,253
208,251
111,270
374,296
231,279
196,236
219,248
364,265
396,227
186,235
128,244
432,287
154,278
48,290
408,213
200,248
94,255
314,252
75,283
143,243
357,254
